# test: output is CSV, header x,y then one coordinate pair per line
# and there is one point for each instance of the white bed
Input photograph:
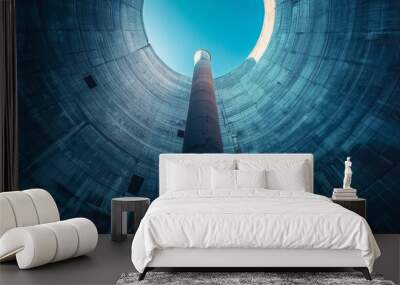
x,y
250,227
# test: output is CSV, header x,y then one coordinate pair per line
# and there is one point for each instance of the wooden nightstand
x,y
357,205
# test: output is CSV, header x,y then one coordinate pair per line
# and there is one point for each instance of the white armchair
x,y
31,230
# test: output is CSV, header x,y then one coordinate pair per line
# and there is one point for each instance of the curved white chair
x,y
31,230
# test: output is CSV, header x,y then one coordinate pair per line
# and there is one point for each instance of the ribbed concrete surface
x,y
329,83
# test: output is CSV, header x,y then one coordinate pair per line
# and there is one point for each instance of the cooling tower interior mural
x,y
97,105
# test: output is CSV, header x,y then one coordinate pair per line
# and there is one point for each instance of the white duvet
x,y
250,219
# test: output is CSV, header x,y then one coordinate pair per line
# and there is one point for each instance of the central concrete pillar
x,y
202,133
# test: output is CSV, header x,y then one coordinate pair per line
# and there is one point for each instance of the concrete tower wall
x,y
97,105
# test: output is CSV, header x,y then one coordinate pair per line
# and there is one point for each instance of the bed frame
x,y
242,259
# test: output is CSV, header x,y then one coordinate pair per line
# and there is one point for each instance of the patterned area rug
x,y
269,278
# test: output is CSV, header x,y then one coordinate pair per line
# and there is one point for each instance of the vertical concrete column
x,y
202,133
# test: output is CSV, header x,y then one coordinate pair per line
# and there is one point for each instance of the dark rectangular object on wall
x,y
181,133
135,184
91,83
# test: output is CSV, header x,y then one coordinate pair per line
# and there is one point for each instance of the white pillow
x,y
251,178
223,179
281,174
181,177
193,174
289,179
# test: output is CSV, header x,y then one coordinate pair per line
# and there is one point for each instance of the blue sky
x,y
228,29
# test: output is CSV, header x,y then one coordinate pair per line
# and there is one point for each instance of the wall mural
x,y
97,106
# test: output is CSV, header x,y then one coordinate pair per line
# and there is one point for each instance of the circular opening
x,y
228,29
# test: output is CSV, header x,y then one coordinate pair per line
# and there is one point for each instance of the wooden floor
x,y
110,260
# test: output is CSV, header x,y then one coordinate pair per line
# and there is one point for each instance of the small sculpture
x,y
347,174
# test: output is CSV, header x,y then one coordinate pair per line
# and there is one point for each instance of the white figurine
x,y
347,174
